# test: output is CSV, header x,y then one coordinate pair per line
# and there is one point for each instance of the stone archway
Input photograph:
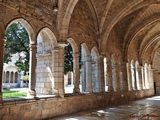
x,y
76,70
32,38
86,68
96,72
46,81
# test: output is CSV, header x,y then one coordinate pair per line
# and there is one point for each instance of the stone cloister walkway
x,y
144,109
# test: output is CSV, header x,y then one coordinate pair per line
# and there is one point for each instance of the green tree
x,y
17,43
68,59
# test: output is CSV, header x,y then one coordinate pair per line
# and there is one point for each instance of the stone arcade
x,y
119,45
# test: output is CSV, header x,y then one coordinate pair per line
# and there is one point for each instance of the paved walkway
x,y
144,109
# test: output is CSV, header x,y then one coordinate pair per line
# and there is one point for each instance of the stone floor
x,y
144,109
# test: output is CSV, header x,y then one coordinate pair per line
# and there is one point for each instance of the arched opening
x,y
46,80
16,77
86,78
68,69
114,74
95,68
7,77
18,49
11,79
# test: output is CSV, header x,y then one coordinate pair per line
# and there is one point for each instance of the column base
x,y
76,90
31,94
89,90
52,92
131,89
110,89
61,93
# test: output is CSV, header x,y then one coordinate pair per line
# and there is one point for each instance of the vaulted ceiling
x,y
136,23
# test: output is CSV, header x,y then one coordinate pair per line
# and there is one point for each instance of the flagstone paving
x,y
144,109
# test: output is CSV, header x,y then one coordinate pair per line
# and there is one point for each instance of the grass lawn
x,y
13,94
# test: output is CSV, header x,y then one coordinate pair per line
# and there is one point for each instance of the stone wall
x,y
45,108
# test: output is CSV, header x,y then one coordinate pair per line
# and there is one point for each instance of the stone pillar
x,y
83,76
72,79
58,69
148,76
124,82
76,73
143,79
2,41
140,84
151,81
9,77
19,78
100,61
133,78
61,70
13,77
129,77
88,74
98,74
113,77
151,78
137,78
3,76
109,72
117,78
32,71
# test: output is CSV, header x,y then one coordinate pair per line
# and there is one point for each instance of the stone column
x,y
32,71
88,74
148,76
124,82
83,77
98,74
76,73
143,79
109,72
2,41
61,70
137,78
140,84
129,77
9,77
151,78
3,76
58,69
133,78
113,77
117,77
101,73
151,81
13,77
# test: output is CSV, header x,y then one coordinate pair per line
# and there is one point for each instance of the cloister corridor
x,y
143,109
86,59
